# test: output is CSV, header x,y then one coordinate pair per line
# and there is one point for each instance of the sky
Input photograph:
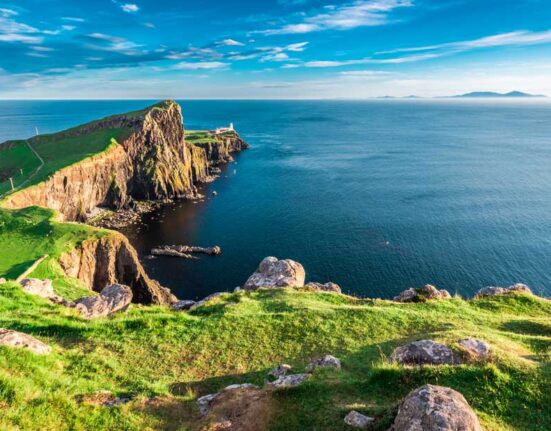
x,y
265,49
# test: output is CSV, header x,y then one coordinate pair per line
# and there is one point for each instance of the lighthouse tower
x,y
231,127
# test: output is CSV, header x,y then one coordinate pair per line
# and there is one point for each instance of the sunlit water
x,y
377,196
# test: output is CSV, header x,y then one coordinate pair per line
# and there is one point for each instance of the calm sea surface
x,y
377,196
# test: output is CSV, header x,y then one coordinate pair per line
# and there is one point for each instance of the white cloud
x,y
36,54
281,56
395,60
130,7
360,13
42,48
6,13
230,42
365,73
503,39
113,44
149,25
202,65
72,19
68,27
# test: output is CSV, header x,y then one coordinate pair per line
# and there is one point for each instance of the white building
x,y
224,129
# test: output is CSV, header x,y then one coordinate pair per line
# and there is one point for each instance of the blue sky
x,y
272,48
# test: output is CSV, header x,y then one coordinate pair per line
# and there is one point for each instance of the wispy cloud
x,y
394,60
130,7
72,19
201,65
360,13
106,42
504,39
230,42
6,13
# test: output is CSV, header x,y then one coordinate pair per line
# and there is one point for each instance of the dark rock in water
x,y
215,193
422,294
328,361
357,420
113,298
185,251
424,352
276,273
16,339
327,287
496,291
435,408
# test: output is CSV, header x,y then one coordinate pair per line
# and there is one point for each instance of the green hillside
x,y
165,359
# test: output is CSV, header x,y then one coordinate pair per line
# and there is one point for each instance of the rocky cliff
x,y
152,162
111,259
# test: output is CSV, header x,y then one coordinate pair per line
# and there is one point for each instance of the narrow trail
x,y
32,175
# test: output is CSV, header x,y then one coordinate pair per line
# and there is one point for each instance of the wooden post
x,y
11,182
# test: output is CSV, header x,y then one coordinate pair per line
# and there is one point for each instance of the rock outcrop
x,y
113,298
16,339
328,361
435,408
326,287
357,420
111,259
496,291
424,293
42,288
289,381
185,251
279,371
152,161
424,352
276,273
474,349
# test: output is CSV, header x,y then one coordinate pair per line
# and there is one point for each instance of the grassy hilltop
x,y
164,359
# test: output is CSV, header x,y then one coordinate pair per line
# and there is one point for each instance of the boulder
x,y
475,349
205,300
422,294
205,401
496,291
357,420
276,273
183,305
328,361
42,288
435,408
16,339
113,298
327,287
289,381
279,371
424,352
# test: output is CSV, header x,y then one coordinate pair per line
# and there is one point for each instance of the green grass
x,y
29,233
13,157
177,356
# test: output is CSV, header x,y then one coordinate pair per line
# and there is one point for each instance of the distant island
x,y
494,94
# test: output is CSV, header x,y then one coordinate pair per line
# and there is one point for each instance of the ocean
x,y
376,196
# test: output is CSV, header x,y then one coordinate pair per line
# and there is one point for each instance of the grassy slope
x,y
13,157
29,233
59,151
176,356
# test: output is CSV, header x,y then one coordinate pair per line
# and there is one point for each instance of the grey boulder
x,y
113,298
328,361
279,371
476,349
497,291
326,287
20,340
42,288
276,273
289,381
435,408
357,420
183,305
424,293
424,352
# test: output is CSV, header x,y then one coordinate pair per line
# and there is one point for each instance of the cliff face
x,y
152,162
100,262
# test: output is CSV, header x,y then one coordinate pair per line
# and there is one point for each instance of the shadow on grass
x,y
527,327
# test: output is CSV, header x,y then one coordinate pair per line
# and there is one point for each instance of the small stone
x,y
16,339
204,402
279,371
435,408
237,289
427,292
424,352
240,386
327,287
184,304
496,291
327,361
205,300
273,272
477,349
357,420
289,381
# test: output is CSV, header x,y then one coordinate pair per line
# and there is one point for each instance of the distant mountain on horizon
x,y
495,94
